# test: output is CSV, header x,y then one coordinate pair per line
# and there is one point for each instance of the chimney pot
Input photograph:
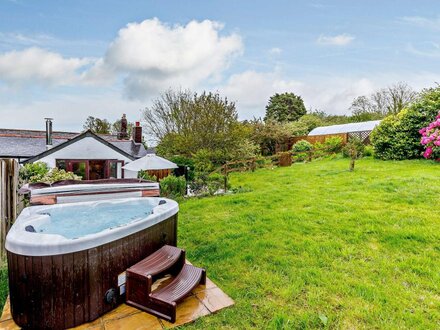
x,y
122,135
48,132
137,132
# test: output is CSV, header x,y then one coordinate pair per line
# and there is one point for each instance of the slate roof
x,y
15,143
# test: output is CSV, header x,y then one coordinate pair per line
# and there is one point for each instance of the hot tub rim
x,y
21,242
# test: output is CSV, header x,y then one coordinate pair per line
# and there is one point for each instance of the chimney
x,y
48,133
122,134
137,132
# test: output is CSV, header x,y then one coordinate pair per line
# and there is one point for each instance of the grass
x,y
3,282
315,246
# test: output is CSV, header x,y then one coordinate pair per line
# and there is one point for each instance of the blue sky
x,y
72,59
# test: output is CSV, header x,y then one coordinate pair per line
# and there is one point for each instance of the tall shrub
x,y
397,136
172,186
431,139
301,150
333,144
33,172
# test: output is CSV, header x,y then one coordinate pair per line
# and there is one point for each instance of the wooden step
x,y
140,277
163,302
188,278
168,259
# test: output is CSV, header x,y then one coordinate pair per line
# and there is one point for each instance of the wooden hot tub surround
x,y
65,290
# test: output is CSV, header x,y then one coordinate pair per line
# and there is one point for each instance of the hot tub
x,y
67,261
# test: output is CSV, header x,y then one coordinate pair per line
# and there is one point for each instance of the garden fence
x,y
10,203
280,159
288,143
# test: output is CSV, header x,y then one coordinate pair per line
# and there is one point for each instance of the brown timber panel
x,y
63,291
159,174
57,284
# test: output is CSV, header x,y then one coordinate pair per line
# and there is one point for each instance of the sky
x,y
73,59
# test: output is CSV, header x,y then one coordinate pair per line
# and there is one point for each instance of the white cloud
x,y
39,66
251,91
153,56
425,22
17,38
69,111
337,40
333,94
150,56
426,49
275,51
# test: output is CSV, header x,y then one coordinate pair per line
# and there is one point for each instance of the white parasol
x,y
149,162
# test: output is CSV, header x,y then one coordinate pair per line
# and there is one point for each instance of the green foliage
x,y
267,134
285,107
97,125
143,174
369,151
301,150
56,175
397,137
203,161
184,161
244,149
271,133
186,122
333,144
215,182
33,172
208,184
204,182
302,145
310,121
173,186
354,149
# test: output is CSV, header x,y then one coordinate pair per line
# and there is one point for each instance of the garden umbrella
x,y
149,162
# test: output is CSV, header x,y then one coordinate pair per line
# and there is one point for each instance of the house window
x,y
61,164
94,169
79,168
115,169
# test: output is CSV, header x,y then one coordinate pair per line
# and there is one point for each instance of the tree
x,y
397,136
285,107
387,101
184,123
400,96
354,150
97,125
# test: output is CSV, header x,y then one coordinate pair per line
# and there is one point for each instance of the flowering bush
x,y
431,138
397,136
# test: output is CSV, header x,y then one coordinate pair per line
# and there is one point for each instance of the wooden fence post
x,y
8,198
253,165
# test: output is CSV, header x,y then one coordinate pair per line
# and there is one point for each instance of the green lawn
x,y
314,245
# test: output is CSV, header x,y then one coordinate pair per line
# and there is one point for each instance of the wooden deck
x,y
203,300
